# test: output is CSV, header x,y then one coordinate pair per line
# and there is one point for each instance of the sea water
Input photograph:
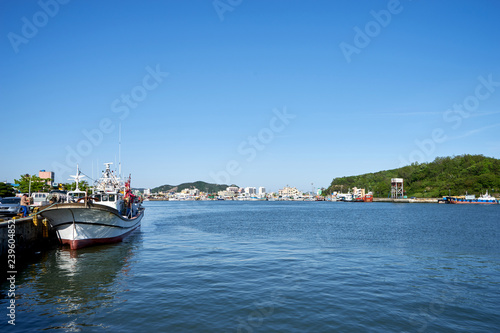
x,y
229,266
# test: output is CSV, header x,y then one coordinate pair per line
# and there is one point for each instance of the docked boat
x,y
471,199
347,197
368,197
357,199
107,216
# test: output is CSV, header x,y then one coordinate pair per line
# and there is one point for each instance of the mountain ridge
x,y
200,185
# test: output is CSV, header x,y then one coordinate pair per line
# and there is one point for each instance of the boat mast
x,y
120,150
77,177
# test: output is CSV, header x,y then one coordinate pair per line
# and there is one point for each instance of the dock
x,y
21,237
407,200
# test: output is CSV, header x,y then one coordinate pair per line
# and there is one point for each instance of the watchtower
x,y
397,188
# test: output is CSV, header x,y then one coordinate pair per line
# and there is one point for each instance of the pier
x,y
21,237
407,200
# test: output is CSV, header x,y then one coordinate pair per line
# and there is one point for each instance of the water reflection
x,y
70,288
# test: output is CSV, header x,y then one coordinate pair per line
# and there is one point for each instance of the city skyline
x,y
262,92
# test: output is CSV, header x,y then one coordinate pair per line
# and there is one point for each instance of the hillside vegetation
x,y
455,175
202,186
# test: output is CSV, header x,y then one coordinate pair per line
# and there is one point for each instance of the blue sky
x,y
255,93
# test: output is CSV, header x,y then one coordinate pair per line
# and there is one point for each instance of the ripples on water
x,y
276,267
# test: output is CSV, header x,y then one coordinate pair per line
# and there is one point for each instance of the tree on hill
x,y
457,175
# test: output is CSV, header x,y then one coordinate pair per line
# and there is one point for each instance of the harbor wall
x,y
417,200
24,237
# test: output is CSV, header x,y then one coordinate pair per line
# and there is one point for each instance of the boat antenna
x,y
76,178
120,150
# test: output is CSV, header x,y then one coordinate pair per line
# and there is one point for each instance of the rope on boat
x,y
36,213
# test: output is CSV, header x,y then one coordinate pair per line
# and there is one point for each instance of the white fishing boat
x,y
107,216
347,197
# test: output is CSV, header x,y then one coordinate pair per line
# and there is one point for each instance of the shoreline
x,y
416,200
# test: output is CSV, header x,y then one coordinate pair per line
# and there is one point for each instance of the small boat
x,y
368,197
107,216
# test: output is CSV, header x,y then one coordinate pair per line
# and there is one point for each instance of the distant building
x,y
226,194
147,191
289,192
262,191
48,175
358,192
233,189
230,192
250,190
192,191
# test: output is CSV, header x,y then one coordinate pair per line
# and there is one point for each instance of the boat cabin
x,y
73,196
105,197
40,198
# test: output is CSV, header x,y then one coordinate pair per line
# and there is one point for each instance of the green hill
x,y
455,175
202,186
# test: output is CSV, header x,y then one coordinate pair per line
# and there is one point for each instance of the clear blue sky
x,y
364,86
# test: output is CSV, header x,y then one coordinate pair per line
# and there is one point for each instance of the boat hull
x,y
368,198
80,226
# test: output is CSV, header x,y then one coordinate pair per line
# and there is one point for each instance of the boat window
x,y
111,197
98,197
104,197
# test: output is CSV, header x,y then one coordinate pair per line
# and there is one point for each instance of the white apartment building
x,y
193,192
358,192
262,191
289,192
250,190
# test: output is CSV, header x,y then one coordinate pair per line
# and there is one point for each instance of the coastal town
x,y
42,189
286,193
235,193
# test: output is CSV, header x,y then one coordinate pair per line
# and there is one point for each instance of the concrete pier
x,y
21,237
417,200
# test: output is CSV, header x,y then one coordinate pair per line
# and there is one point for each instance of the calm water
x,y
275,267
